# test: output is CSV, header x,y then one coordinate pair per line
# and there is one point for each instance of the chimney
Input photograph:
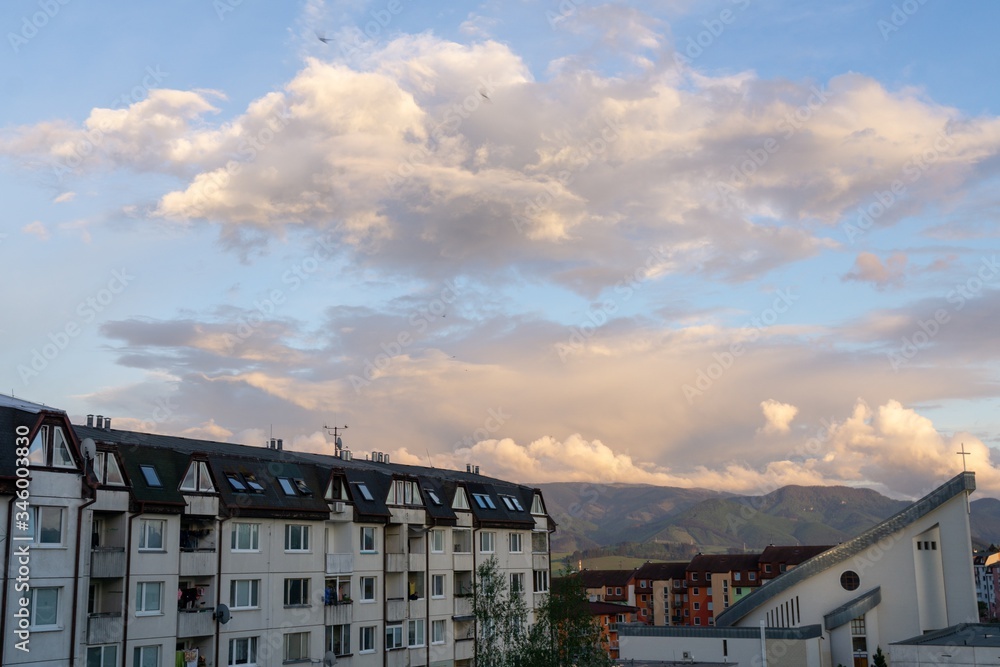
x,y
90,420
272,444
280,442
107,423
100,421
468,467
386,458
477,470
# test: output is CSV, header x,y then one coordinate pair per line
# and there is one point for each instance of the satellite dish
x,y
89,448
339,443
330,659
221,614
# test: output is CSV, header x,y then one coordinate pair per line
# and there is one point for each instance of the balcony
x,y
339,563
107,562
395,562
465,649
462,561
339,613
418,561
540,561
198,562
396,658
105,628
195,622
463,606
395,610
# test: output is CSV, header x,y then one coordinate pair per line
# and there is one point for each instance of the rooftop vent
x,y
100,421
90,420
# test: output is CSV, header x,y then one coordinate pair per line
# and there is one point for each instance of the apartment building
x,y
776,560
665,585
609,616
716,581
276,557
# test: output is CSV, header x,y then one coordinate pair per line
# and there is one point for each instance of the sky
x,y
733,244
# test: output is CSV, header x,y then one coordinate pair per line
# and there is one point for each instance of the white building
x,y
910,574
232,555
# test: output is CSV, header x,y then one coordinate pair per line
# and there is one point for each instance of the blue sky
x,y
731,244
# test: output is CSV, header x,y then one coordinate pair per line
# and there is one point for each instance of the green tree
x,y
501,619
878,660
565,632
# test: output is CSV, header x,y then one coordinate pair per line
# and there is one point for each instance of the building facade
x,y
150,551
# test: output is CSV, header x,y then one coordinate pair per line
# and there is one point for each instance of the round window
x,y
850,580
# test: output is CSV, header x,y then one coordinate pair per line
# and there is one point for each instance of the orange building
x,y
609,616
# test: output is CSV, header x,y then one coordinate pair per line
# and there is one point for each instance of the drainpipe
x,y
218,584
475,621
76,574
6,567
128,572
427,595
385,590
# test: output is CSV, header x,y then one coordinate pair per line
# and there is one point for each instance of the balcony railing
x,y
395,562
339,563
106,628
195,622
339,614
107,562
198,562
395,610
463,606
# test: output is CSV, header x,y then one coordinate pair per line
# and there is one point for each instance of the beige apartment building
x,y
144,550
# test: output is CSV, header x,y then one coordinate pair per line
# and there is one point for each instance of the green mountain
x,y
590,516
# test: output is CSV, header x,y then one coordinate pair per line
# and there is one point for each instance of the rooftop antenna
x,y
335,432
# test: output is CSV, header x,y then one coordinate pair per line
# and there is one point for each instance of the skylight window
x,y
507,500
434,497
303,488
152,478
484,501
286,486
236,482
253,483
365,492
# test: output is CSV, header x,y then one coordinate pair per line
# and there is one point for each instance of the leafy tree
x,y
565,632
501,618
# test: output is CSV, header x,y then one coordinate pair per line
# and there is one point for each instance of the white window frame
x,y
102,655
361,588
366,639
303,640
439,631
103,462
37,516
437,541
303,530
138,655
35,625
487,538
252,594
517,583
303,593
394,636
144,534
252,531
368,544
437,591
141,588
515,541
344,632
540,581
251,651
415,627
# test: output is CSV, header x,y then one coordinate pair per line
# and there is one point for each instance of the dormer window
x,y
107,470
151,476
461,502
50,448
197,478
537,507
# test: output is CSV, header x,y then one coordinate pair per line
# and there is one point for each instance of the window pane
x,y
60,456
50,525
114,473
45,606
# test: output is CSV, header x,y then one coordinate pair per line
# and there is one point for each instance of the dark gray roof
x,y
852,609
709,632
662,571
961,483
963,634
723,563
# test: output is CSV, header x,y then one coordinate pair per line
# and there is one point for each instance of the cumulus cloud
x,y
869,268
778,415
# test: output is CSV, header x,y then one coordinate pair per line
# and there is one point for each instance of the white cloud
x,y
38,229
869,268
779,416
65,197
